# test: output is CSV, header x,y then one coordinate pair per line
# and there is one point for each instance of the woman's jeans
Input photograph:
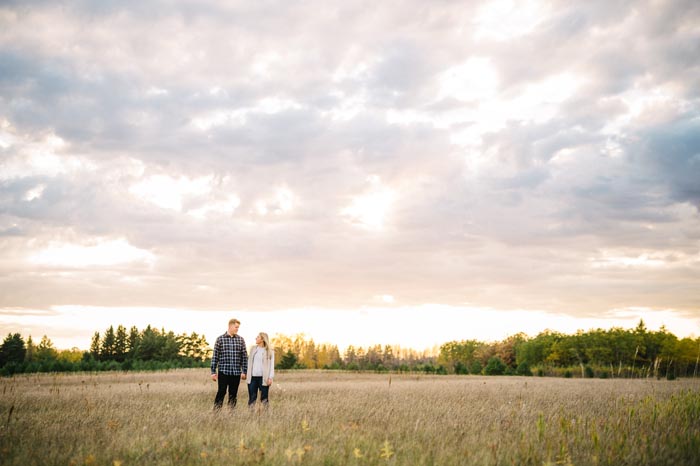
x,y
256,383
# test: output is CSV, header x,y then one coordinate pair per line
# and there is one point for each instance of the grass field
x,y
342,418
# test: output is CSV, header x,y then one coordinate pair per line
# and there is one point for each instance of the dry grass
x,y
342,418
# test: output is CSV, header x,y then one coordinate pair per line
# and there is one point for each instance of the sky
x,y
362,172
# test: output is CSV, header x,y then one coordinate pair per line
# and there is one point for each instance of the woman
x,y
261,369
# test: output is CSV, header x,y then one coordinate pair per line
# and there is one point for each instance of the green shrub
x,y
476,368
495,366
523,369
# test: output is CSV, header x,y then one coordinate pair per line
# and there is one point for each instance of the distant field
x,y
342,418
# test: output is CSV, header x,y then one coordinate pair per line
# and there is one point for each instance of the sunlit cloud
x,y
370,210
476,79
282,202
44,155
503,20
385,298
100,252
240,116
641,260
168,192
35,193
224,207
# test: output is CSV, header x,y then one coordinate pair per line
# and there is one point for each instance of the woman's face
x,y
258,340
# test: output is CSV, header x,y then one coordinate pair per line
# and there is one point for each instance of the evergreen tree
x,y
133,343
149,345
12,350
169,347
108,345
95,346
288,360
30,356
120,344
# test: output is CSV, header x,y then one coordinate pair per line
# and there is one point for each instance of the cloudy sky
x,y
394,172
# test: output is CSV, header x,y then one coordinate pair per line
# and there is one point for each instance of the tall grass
x,y
342,418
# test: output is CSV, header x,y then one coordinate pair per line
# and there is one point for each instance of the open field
x,y
342,418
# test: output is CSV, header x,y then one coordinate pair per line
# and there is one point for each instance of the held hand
x,y
213,377
269,382
242,376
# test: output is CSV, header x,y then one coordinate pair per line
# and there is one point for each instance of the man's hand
x,y
214,377
269,382
242,376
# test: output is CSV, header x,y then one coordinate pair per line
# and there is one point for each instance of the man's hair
x,y
234,321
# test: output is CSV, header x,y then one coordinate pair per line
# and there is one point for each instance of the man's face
x,y
233,329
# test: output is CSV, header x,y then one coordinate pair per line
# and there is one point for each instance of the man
x,y
231,357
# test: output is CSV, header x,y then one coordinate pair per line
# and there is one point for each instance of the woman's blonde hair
x,y
266,344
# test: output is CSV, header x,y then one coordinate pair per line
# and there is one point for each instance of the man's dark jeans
x,y
227,381
256,383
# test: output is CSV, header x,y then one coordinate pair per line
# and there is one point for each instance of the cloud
x,y
284,155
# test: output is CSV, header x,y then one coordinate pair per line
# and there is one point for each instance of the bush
x,y
588,372
523,369
461,368
568,374
540,372
475,368
495,366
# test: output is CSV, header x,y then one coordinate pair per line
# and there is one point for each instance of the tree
x,y
194,346
169,346
45,352
133,343
12,350
95,346
458,355
31,350
288,360
120,344
506,349
108,345
149,346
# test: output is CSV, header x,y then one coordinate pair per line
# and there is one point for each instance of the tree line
x,y
616,352
114,349
298,352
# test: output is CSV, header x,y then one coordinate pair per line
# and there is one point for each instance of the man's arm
x,y
215,358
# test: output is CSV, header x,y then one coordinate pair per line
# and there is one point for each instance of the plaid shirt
x,y
230,355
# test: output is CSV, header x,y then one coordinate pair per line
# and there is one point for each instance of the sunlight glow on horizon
x,y
421,328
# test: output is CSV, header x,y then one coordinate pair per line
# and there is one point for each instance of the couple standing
x,y
232,360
